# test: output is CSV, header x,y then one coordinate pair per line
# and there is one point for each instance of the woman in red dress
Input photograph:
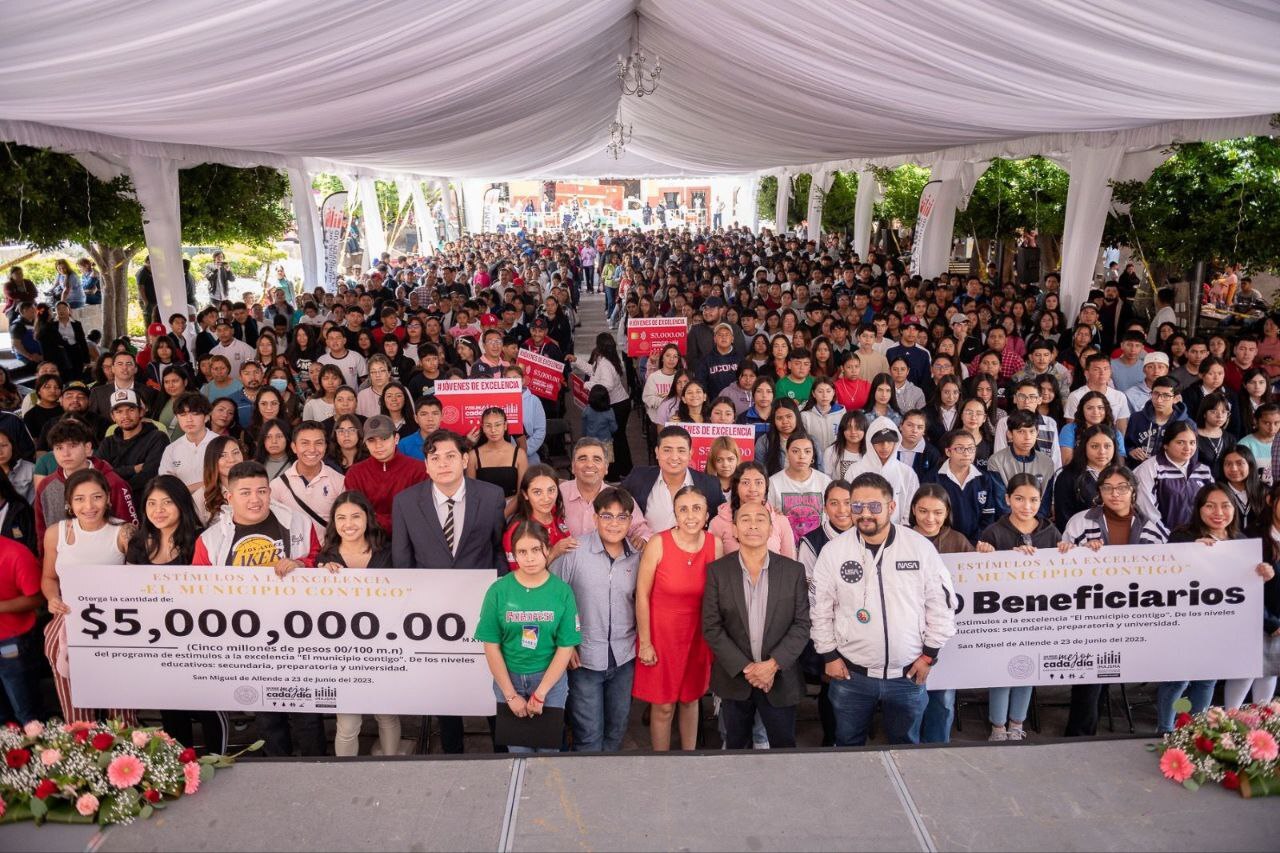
x,y
675,662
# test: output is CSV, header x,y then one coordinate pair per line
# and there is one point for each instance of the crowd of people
x,y
896,419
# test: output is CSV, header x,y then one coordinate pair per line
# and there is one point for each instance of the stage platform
x,y
1100,795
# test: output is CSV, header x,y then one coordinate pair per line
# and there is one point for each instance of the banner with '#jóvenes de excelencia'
x,y
1123,613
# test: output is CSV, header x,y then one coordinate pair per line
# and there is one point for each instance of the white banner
x,y
928,198
387,641
1121,614
334,218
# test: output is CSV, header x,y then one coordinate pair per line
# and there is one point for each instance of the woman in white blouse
x,y
604,367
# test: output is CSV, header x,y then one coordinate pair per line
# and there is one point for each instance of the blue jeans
x,y
524,685
854,702
938,716
610,297
1199,692
600,706
1008,704
18,701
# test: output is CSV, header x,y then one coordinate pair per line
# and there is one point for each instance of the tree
x,y
1210,201
1013,196
837,207
48,199
902,186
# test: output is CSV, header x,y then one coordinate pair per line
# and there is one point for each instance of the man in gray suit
x,y
755,617
450,521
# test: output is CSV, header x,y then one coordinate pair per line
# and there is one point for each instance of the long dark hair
x,y
523,511
606,348
1196,526
876,381
774,450
374,536
260,452
743,468
145,541
256,422
1255,492
938,493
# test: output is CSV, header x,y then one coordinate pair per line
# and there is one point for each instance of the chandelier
x,y
619,136
634,75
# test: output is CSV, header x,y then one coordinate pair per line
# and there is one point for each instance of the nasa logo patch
x,y
908,565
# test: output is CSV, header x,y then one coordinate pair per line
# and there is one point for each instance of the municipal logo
x,y
246,694
1021,667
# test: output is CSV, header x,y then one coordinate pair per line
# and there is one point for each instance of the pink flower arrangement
x,y
125,771
142,769
1238,748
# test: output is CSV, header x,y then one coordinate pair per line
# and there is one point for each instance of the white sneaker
x,y
1016,733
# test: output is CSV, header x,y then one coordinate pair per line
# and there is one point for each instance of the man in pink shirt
x,y
589,465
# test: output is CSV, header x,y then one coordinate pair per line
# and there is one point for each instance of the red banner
x,y
544,376
743,435
579,386
464,401
646,334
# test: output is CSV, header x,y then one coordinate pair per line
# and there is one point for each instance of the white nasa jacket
x,y
908,602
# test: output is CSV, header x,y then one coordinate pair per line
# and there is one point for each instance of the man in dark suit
x,y
755,617
450,521
654,486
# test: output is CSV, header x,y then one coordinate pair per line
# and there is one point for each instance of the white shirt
x,y
660,512
185,459
1119,403
237,352
459,511
604,373
352,365
319,492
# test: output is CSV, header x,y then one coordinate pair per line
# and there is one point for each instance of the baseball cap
x,y
157,329
379,426
1089,305
76,386
720,326
959,317
912,320
541,323
124,397
1155,358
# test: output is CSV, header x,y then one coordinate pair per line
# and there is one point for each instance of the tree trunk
x,y
1050,254
113,265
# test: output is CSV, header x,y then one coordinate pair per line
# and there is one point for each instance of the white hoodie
x,y
901,476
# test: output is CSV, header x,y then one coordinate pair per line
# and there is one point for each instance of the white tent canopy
x,y
482,88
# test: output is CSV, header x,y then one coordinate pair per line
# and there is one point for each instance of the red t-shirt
x,y
557,531
19,576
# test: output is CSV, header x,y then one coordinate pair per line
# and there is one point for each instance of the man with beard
x,y
882,613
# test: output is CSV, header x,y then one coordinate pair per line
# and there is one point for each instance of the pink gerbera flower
x,y
1175,765
125,771
1262,746
191,772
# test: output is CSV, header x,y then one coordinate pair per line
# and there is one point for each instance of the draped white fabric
x,y
310,238
375,237
155,182
422,218
953,184
781,203
526,87
863,211
821,182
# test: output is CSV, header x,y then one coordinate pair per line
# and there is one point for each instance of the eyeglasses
x,y
609,517
873,507
1163,395
964,449
1118,489
1026,397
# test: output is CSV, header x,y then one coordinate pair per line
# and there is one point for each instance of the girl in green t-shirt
x,y
529,627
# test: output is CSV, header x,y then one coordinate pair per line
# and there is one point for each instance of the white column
x,y
748,211
155,183
450,211
1088,201
473,190
950,185
819,183
864,212
422,217
310,236
375,237
782,204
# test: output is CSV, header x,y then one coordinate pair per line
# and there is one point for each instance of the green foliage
x,y
1016,194
837,208
902,187
1211,201
47,199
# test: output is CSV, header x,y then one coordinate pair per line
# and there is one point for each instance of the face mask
x,y
279,384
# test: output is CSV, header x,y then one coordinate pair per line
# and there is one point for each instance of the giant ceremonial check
x,y
1122,613
393,641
